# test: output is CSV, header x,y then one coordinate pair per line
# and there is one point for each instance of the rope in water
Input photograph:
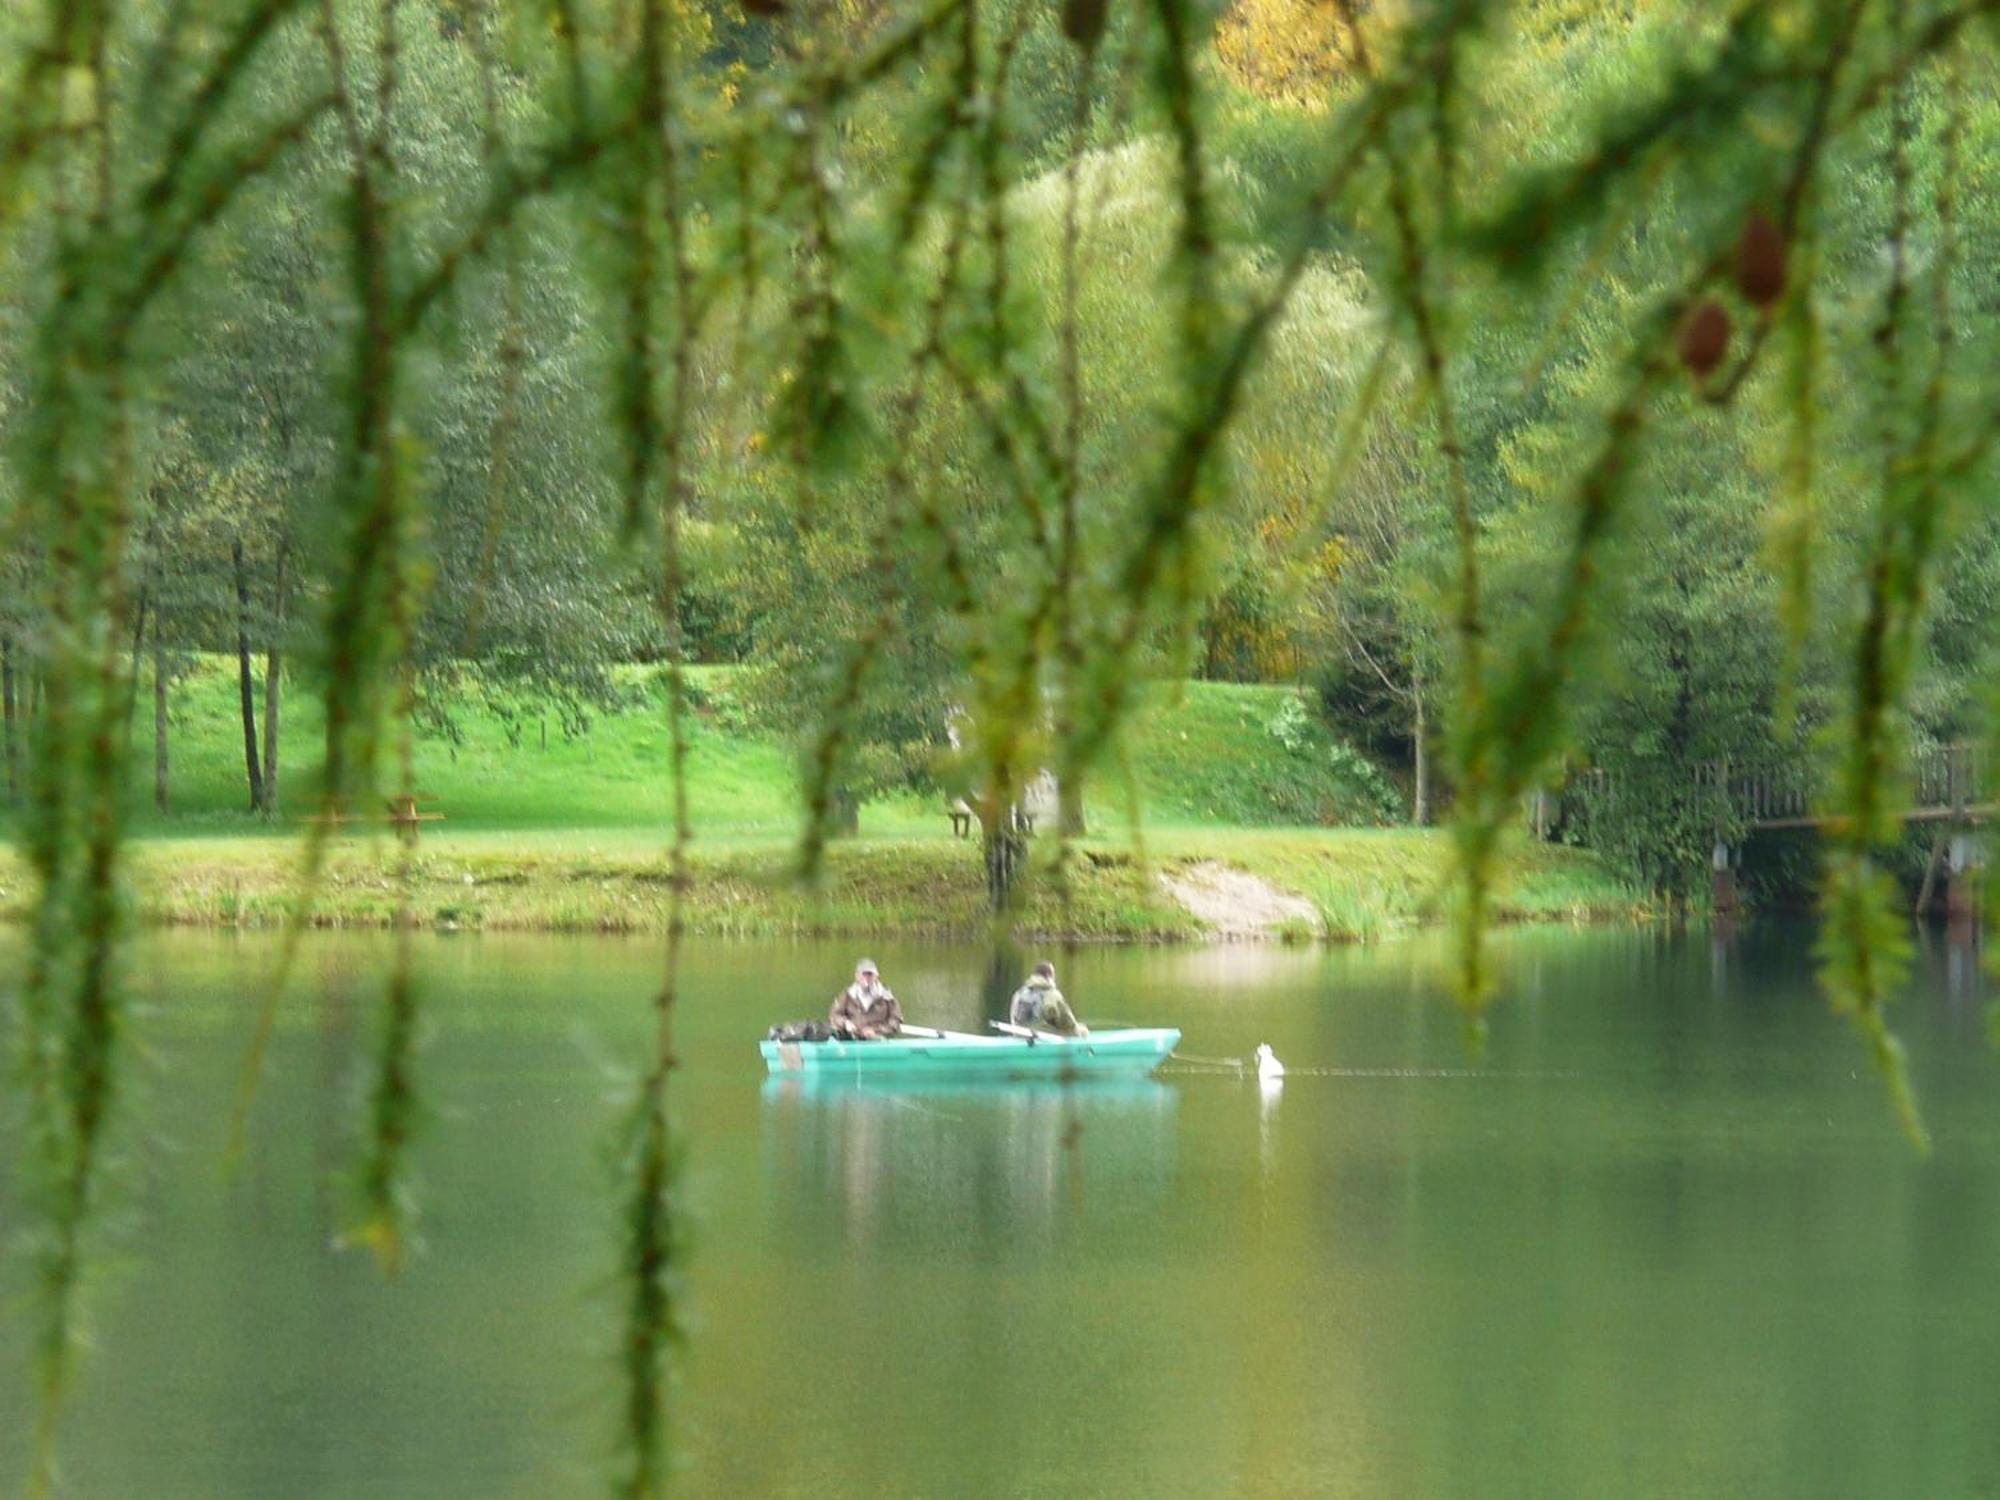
x,y
1197,1067
1206,1062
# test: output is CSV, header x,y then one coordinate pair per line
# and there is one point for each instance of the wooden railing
x,y
1948,781
1953,777
1771,796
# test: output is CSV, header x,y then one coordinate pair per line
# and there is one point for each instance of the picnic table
x,y
1019,819
405,812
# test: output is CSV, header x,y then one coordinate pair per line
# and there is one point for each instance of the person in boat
x,y
1039,1004
865,1010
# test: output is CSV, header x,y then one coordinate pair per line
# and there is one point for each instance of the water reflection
x,y
1654,1220
1005,969
1269,1092
953,1161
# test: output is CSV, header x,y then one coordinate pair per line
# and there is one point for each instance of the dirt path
x,y
1236,904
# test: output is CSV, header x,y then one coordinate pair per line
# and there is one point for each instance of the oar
x,y
929,1034
1029,1033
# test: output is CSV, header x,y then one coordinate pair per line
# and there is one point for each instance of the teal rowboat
x,y
1062,1059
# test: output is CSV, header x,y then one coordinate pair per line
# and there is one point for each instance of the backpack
x,y
800,1031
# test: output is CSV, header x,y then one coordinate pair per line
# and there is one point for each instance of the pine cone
x,y
1704,338
1760,262
1083,21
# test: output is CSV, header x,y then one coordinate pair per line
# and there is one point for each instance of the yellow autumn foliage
x,y
1296,52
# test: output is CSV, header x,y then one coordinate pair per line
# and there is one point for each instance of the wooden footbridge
x,y
1946,785
1950,785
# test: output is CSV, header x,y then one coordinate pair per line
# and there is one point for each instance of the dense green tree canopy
x,y
1573,383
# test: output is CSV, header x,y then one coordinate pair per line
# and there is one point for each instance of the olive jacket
x,y
1040,1004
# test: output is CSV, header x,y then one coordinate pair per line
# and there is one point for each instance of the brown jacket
x,y
863,1012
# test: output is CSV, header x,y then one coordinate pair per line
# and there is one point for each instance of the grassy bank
x,y
563,828
1354,884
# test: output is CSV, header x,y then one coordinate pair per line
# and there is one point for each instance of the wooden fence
x,y
1947,782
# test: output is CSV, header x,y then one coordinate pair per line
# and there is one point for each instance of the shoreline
x,y
1192,886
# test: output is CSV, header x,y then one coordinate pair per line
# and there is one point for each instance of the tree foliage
x,y
1000,349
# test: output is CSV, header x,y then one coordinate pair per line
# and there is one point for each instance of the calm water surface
x,y
1664,1241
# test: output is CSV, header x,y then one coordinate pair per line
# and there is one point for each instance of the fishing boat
x,y
920,1053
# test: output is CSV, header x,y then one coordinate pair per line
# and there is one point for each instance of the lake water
x,y
1663,1240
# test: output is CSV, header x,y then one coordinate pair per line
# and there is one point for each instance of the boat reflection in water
x,y
935,1163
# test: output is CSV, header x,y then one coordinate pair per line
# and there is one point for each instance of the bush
x,y
1305,737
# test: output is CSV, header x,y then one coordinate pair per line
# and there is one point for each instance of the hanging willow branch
x,y
381,556
1087,31
372,606
513,350
387,1208
1019,422
1863,944
621,125
825,753
1519,723
230,70
118,258
1797,530
35,119
1412,286
1170,503
80,470
650,1220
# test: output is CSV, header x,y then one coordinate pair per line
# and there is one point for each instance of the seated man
x,y
865,1010
1039,1004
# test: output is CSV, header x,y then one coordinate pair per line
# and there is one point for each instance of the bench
x,y
1019,819
404,812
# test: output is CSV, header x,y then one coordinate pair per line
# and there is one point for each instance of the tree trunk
x,y
246,688
1004,850
7,701
843,814
1069,807
138,649
1004,968
274,679
1420,798
148,586
160,799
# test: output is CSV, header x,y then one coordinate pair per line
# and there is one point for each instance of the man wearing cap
x,y
865,1010
1039,1004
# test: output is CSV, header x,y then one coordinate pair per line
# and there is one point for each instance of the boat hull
x,y
1102,1054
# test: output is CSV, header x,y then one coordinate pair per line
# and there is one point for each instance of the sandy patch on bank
x,y
1234,903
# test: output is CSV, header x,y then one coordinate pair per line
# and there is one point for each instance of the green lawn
x,y
535,774
1204,755
561,830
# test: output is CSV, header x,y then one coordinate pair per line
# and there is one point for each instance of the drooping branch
x,y
229,71
657,196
